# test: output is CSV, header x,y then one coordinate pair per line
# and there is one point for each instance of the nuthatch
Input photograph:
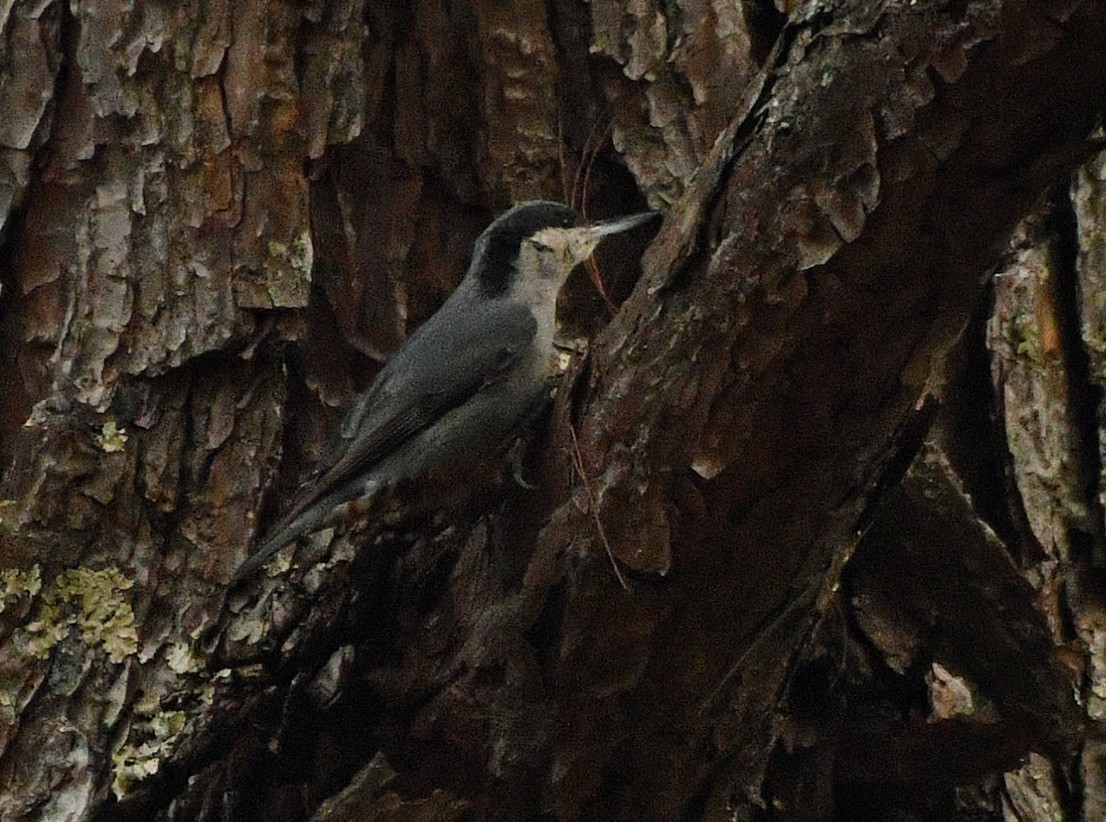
x,y
462,384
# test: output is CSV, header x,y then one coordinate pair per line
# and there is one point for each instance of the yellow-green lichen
x,y
111,439
152,735
1026,342
181,659
18,582
90,601
9,515
288,271
154,731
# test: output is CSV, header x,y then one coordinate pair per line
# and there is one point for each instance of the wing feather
x,y
442,366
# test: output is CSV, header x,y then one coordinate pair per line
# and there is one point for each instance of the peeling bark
x,y
220,216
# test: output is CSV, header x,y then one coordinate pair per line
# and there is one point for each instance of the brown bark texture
x,y
820,530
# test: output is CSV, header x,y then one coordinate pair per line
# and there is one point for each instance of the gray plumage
x,y
460,386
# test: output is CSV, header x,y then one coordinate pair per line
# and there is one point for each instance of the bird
x,y
464,382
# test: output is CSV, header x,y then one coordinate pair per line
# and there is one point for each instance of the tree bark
x,y
218,218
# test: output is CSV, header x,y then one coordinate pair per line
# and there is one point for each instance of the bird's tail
x,y
297,522
284,532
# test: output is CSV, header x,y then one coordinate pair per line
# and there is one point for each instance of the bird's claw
x,y
516,469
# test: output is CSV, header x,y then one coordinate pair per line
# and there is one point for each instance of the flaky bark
x,y
837,183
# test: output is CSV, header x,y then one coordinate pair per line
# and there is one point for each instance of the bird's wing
x,y
442,366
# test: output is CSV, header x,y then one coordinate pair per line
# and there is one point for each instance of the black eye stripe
x,y
503,238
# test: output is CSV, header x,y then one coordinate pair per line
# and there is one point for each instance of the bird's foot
x,y
514,459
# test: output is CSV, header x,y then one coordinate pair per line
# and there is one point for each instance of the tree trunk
x,y
820,521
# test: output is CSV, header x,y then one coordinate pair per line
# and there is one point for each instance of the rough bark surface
x,y
218,217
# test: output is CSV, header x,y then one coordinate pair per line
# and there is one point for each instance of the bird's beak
x,y
595,234
621,224
582,240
